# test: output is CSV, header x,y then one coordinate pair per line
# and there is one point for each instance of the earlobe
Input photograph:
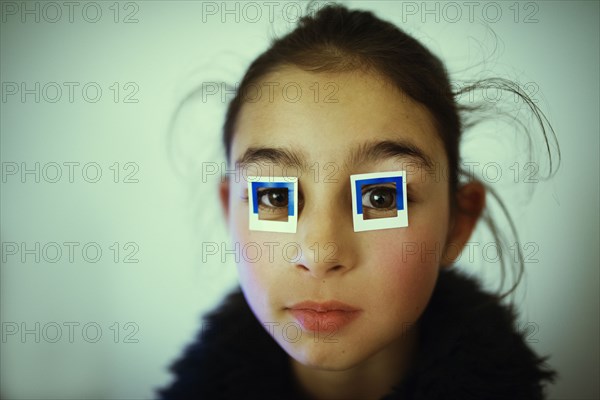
x,y
224,198
470,202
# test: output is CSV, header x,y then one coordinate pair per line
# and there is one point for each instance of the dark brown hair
x,y
336,39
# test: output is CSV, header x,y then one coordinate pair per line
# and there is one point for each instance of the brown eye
x,y
380,198
275,198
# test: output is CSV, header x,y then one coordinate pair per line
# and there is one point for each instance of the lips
x,y
330,316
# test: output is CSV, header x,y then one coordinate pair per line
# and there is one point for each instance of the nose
x,y
326,239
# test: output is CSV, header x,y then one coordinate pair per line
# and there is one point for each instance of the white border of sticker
x,y
256,224
360,224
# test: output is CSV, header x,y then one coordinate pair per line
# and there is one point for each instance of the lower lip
x,y
329,321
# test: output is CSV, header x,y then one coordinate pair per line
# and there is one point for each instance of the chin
x,y
324,356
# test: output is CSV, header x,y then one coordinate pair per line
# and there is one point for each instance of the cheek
x,y
258,259
247,265
251,257
404,265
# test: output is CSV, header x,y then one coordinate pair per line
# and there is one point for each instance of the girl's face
x,y
341,124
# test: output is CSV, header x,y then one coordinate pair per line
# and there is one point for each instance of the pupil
x,y
277,198
381,199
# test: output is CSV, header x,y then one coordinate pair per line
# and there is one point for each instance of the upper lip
x,y
331,305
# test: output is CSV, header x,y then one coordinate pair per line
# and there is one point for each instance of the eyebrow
x,y
375,151
369,152
276,155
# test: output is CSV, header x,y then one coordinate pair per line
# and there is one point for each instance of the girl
x,y
339,306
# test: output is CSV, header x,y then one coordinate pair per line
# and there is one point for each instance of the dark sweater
x,y
469,348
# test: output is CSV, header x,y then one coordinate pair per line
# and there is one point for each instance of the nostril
x,y
302,267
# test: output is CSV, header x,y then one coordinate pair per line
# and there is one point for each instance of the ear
x,y
224,197
470,202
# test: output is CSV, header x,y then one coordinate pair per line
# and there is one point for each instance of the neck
x,y
371,379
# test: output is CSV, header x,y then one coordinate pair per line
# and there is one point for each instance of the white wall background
x,y
166,50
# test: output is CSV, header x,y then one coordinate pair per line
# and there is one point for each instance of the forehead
x,y
325,115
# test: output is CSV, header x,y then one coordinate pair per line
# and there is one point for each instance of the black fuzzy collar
x,y
469,349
